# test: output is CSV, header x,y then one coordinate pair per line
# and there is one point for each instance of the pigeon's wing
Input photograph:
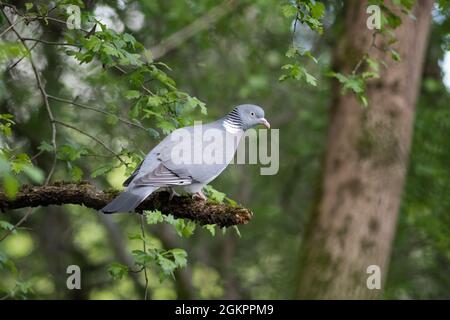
x,y
161,177
133,175
202,172
162,166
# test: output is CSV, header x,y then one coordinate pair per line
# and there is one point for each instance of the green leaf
x,y
310,79
117,271
142,258
5,127
185,228
132,94
45,146
111,50
395,55
112,119
237,231
309,55
170,219
180,257
166,126
6,263
167,265
231,201
354,83
7,117
35,174
292,52
70,153
93,43
102,170
363,100
5,225
211,228
339,76
11,185
28,6
298,72
154,217
214,195
19,162
154,101
369,75
135,236
153,133
128,38
373,64
76,173
317,9
193,102
289,10
22,289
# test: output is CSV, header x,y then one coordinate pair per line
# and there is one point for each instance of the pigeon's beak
x,y
264,122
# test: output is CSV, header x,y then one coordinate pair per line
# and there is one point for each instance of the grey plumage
x,y
128,200
161,168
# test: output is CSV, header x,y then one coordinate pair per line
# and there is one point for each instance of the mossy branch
x,y
84,193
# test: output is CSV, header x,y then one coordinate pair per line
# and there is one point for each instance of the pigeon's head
x,y
246,116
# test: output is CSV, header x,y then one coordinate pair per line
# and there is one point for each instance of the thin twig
x,y
44,97
52,43
12,7
23,57
297,19
7,295
36,17
17,225
93,138
96,110
58,21
136,271
360,62
198,25
366,55
37,155
142,86
144,247
11,26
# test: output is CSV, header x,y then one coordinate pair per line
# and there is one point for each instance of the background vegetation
x,y
151,66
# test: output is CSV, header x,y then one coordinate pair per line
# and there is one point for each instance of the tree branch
x,y
100,142
83,106
51,43
86,194
192,29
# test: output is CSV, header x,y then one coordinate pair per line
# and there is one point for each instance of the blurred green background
x,y
234,60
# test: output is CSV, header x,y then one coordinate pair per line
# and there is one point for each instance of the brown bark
x,y
203,212
364,171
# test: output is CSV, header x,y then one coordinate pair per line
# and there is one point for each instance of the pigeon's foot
x,y
173,193
199,195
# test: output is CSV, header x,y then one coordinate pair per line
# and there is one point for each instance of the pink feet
x,y
199,195
173,193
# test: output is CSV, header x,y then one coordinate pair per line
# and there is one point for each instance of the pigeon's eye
x,y
252,114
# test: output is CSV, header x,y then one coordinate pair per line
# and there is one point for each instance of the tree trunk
x,y
366,161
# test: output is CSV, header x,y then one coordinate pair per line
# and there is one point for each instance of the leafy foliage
x,y
368,67
134,101
310,13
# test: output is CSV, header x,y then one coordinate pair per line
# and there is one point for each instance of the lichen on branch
x,y
84,193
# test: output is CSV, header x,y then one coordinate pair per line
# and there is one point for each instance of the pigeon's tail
x,y
128,200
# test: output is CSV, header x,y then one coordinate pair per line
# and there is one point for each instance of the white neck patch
x,y
231,127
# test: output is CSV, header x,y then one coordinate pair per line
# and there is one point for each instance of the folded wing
x,y
162,177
